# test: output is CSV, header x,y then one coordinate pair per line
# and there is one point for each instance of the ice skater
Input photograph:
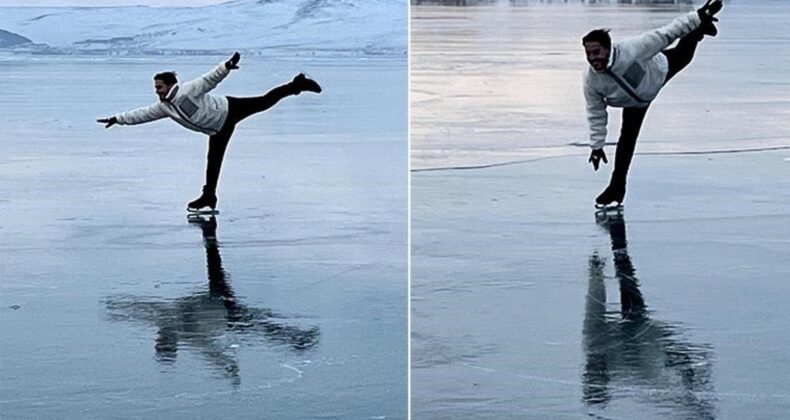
x,y
629,75
191,105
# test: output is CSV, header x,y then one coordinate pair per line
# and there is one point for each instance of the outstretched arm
x,y
597,116
136,116
210,80
653,42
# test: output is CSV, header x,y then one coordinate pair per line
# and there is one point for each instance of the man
x,y
629,75
191,105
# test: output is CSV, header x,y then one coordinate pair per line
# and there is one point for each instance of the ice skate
x,y
610,200
707,13
302,83
205,204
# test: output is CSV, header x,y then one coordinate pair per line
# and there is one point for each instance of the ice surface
x,y
498,84
114,305
305,27
524,307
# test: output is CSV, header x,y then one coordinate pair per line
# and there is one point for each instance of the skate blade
x,y
199,212
200,219
609,208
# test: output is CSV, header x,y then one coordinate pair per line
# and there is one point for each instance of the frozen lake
x,y
521,308
290,304
525,306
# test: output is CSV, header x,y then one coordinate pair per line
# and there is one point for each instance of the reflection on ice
x,y
628,352
211,321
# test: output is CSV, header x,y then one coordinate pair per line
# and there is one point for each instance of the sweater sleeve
x,y
208,81
142,115
653,42
597,116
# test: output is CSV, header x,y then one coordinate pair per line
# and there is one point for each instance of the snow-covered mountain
x,y
9,39
321,27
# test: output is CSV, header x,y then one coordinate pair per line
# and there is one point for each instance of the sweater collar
x,y
612,57
172,93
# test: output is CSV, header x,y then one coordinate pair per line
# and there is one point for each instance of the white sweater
x,y
189,105
641,69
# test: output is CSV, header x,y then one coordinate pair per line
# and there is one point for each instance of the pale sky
x,y
56,3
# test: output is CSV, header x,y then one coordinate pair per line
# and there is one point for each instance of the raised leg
x,y
241,108
681,55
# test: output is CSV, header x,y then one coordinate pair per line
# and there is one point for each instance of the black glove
x,y
709,10
596,156
233,63
110,121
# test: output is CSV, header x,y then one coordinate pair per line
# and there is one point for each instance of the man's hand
x,y
596,156
233,63
109,121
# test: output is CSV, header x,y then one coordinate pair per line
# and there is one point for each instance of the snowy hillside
x,y
321,27
8,39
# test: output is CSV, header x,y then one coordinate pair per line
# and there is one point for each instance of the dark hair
x,y
600,36
168,77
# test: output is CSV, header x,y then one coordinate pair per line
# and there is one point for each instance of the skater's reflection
x,y
212,322
628,353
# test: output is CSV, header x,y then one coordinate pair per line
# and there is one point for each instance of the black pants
x,y
238,109
677,58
